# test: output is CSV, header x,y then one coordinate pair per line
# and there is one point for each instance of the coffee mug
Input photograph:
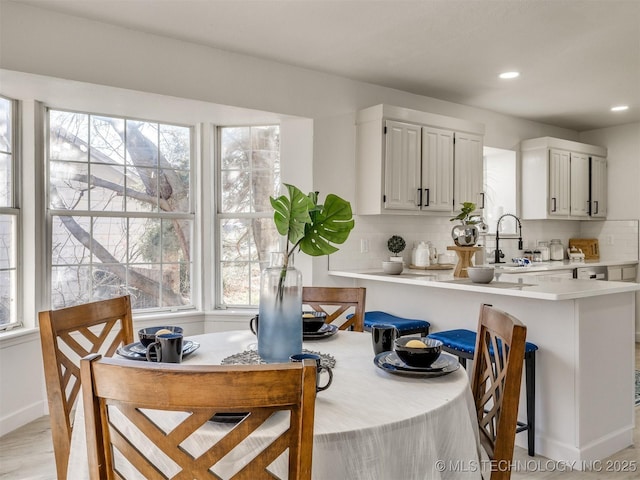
x,y
166,349
253,324
299,357
382,336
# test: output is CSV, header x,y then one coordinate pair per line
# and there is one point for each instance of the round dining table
x,y
369,424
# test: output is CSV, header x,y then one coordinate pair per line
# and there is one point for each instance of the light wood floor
x,y
27,454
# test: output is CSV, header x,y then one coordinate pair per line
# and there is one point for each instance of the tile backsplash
x,y
618,239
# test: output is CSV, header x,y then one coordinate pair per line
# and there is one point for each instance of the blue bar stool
x,y
462,343
405,326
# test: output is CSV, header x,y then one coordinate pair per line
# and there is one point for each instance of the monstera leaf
x,y
330,223
312,227
291,215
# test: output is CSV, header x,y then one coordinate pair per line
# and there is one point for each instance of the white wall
x,y
623,168
54,45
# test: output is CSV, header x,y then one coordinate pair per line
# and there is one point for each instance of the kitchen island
x,y
585,333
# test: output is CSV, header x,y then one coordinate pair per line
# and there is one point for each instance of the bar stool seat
x,y
405,326
462,343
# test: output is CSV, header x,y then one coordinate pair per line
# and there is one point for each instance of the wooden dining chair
x,y
495,383
326,299
113,389
67,335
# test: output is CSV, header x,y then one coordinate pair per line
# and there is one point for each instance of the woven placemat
x,y
251,357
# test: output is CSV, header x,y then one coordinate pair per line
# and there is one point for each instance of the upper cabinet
x,y
415,162
562,179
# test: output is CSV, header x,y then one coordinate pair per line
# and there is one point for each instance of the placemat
x,y
251,357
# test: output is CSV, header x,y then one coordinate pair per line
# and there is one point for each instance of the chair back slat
x,y
337,302
67,335
495,383
115,389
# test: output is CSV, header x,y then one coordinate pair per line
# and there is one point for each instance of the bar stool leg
x,y
530,372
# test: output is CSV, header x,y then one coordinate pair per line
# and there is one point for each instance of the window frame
x,y
219,216
191,215
15,211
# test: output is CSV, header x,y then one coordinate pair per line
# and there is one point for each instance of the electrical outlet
x,y
364,245
609,239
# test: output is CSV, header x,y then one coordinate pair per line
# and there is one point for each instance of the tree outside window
x,y
9,215
120,210
249,174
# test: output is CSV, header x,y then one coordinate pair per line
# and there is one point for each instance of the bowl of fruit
x,y
418,352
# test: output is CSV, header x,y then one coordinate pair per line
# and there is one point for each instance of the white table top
x,y
369,424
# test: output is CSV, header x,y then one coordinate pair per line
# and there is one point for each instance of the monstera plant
x,y
310,226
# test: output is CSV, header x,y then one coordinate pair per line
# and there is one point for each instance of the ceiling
x,y
577,58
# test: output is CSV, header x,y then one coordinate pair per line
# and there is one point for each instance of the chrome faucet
x,y
498,252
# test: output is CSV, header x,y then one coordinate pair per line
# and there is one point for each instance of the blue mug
x,y
299,357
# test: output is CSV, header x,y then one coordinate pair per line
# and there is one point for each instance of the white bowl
x,y
392,268
480,274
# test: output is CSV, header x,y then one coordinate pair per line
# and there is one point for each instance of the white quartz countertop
x,y
525,283
561,265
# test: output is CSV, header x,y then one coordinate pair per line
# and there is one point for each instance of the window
x,y
249,174
500,188
120,210
9,215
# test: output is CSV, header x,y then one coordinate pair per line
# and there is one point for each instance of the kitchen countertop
x,y
509,281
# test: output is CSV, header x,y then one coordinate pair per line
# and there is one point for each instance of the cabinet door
x,y
467,170
437,169
598,192
579,185
559,182
402,166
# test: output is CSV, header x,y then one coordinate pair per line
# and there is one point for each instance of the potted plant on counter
x,y
396,245
309,227
465,234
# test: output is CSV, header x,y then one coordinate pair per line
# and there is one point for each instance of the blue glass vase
x,y
280,330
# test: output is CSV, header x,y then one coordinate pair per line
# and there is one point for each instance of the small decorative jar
x,y
544,250
556,250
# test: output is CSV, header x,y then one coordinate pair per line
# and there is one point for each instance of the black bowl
x,y
421,357
148,335
312,321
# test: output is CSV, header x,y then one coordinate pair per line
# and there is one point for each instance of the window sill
x,y
17,336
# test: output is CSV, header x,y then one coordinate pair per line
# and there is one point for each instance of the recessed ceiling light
x,y
620,108
507,75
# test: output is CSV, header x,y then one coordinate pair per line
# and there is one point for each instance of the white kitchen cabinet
x,y
598,186
559,182
402,174
621,273
407,162
468,170
563,179
579,185
437,169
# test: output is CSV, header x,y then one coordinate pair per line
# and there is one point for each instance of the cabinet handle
x,y
427,192
482,196
553,199
596,202
419,197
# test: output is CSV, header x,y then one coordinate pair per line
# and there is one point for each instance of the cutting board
x,y
589,247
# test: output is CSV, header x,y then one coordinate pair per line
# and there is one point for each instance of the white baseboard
x,y
21,417
580,458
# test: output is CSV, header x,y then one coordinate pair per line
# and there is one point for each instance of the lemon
x,y
415,344
308,315
163,331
